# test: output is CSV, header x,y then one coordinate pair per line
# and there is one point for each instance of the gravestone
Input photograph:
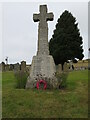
x,y
42,66
3,66
11,67
16,67
66,67
89,64
59,68
23,65
7,67
0,67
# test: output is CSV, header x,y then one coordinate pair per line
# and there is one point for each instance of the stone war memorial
x,y
43,66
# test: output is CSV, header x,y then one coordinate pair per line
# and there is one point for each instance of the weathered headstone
x,y
7,67
66,67
42,66
89,64
11,67
16,67
23,65
59,68
2,66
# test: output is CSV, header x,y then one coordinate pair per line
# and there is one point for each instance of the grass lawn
x,y
71,102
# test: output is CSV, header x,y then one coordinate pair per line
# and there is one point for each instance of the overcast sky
x,y
20,32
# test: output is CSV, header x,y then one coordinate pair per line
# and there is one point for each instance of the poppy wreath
x,y
39,82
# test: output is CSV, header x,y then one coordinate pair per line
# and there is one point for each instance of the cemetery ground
x,y
71,102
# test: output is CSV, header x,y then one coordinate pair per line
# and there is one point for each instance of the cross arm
x,y
50,17
36,17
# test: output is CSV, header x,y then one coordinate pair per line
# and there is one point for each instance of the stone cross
x,y
43,17
43,66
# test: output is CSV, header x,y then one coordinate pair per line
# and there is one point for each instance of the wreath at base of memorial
x,y
41,84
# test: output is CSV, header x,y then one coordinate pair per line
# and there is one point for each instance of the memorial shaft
x,y
43,17
43,66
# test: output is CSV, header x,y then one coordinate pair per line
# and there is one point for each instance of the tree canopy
x,y
66,42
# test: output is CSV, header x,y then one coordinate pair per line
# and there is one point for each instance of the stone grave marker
x,y
3,66
66,67
59,68
0,67
7,67
16,67
11,67
23,65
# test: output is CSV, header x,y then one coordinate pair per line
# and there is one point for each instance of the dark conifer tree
x,y
66,42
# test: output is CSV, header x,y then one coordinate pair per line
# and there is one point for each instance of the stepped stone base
x,y
42,67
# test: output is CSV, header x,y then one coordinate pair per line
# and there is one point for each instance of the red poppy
x,y
41,82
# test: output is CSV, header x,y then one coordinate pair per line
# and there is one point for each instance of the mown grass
x,y
8,80
71,102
